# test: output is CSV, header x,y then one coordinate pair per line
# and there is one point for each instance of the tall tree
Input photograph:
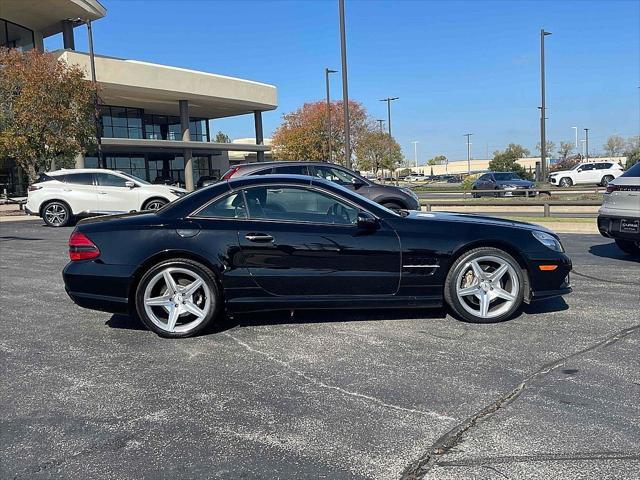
x,y
221,137
549,150
377,150
46,110
506,161
614,146
303,134
565,149
632,151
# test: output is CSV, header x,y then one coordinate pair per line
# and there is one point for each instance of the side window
x,y
335,175
484,178
109,180
79,178
588,166
292,170
298,204
229,206
603,166
267,171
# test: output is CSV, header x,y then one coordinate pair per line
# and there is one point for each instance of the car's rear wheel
x,y
566,182
605,180
56,214
628,246
474,194
485,285
178,298
154,204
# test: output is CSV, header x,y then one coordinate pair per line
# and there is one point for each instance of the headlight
x,y
548,240
177,193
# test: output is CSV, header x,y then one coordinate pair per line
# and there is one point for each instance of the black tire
x,y
450,294
395,206
628,246
56,214
605,180
565,182
474,194
199,269
154,204
497,192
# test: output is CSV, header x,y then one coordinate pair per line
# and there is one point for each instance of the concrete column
x,y
68,40
188,162
79,160
257,116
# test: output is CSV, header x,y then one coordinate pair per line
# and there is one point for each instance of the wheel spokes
x,y
163,301
472,290
192,308
499,292
477,270
485,301
189,290
174,313
498,273
171,284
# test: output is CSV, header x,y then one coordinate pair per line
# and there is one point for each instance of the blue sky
x,y
457,66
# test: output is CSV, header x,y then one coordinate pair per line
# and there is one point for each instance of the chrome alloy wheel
x,y
155,205
55,214
177,300
487,286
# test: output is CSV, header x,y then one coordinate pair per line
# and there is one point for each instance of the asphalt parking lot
x,y
369,394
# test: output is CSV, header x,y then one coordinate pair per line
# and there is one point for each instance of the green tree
x,y
632,151
47,110
506,161
377,150
614,146
565,149
221,137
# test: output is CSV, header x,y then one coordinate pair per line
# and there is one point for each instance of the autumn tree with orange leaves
x,y
46,110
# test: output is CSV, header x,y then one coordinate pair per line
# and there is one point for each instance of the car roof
x,y
285,162
236,182
66,171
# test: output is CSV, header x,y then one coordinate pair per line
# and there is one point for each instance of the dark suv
x,y
392,197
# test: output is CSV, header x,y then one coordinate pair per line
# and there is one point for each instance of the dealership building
x,y
154,119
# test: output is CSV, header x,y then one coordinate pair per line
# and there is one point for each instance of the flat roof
x,y
46,16
158,88
151,144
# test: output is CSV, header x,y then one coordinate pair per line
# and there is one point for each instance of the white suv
x,y
596,173
60,196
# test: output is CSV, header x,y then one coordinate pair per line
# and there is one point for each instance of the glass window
x,y
90,162
334,175
231,206
266,171
485,177
588,166
603,166
506,176
79,178
292,170
109,180
298,204
17,36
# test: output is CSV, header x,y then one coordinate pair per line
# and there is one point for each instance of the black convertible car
x,y
293,242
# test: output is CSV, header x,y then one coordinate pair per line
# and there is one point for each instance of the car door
x,y
80,192
303,241
114,195
587,173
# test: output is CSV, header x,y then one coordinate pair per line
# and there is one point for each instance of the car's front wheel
x,y
154,204
628,246
566,182
56,214
178,298
485,285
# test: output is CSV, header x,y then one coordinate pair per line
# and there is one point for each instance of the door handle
x,y
258,237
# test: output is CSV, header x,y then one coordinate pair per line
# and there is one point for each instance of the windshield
x,y
133,177
506,176
633,171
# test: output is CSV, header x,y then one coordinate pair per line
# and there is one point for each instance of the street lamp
x,y
468,135
345,88
543,133
326,78
576,132
415,151
586,144
381,123
389,100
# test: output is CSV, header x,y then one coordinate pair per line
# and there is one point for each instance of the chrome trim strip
x,y
421,266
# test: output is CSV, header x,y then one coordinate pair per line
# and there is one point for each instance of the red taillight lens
x,y
33,188
232,171
81,247
611,188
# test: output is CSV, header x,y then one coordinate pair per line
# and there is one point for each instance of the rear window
x,y
634,171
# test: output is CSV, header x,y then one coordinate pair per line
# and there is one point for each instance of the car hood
x,y
475,219
164,188
561,172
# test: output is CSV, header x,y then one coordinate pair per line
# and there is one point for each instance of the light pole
x,y
345,88
381,123
415,151
586,144
389,100
543,133
576,132
468,135
326,78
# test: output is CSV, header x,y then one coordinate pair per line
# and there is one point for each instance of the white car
x,y
619,216
595,173
415,177
59,197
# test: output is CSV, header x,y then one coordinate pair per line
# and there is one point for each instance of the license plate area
x,y
630,226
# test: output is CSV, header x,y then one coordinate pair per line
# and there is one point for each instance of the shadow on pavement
x,y
611,250
556,304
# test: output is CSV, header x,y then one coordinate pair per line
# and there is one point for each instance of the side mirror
x,y
130,184
367,221
356,182
579,170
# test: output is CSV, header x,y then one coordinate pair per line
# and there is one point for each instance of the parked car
x,y
61,196
293,242
585,173
506,184
206,180
416,177
395,198
619,215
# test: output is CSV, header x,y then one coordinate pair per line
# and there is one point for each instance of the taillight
x,y
232,171
611,188
33,188
81,247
